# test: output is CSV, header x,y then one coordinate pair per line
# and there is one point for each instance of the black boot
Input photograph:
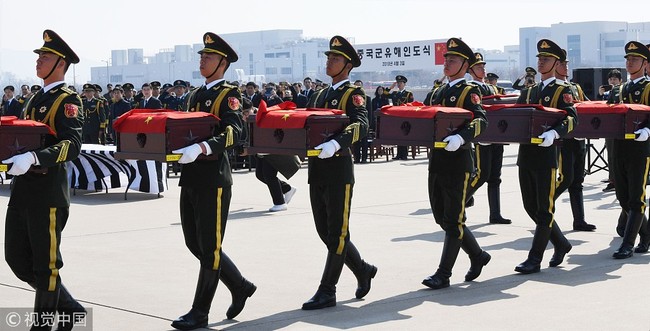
x,y
240,288
363,271
561,246
494,200
478,257
540,240
449,254
70,308
45,309
634,220
578,209
197,317
326,294
644,233
622,221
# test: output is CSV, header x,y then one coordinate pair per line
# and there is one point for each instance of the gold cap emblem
x,y
336,42
46,37
452,44
632,47
544,45
208,40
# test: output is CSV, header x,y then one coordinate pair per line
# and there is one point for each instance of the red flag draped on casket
x,y
286,116
150,121
419,110
14,121
414,124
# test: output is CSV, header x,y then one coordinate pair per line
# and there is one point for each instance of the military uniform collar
x,y
339,84
549,81
52,85
457,81
214,83
638,80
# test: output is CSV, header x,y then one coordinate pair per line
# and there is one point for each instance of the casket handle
x,y
439,144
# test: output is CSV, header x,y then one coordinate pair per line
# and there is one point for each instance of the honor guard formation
x,y
551,163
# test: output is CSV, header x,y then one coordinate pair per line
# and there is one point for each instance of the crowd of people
x,y
39,205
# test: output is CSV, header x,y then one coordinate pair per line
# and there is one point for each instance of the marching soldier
x,y
450,169
633,156
94,116
206,187
492,79
40,198
573,153
437,83
398,98
331,177
538,163
488,158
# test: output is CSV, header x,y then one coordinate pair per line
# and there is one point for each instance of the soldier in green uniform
x,y
331,177
492,80
94,116
633,156
573,153
538,163
206,186
450,169
40,198
398,98
488,158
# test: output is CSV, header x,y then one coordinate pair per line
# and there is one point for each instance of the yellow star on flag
x,y
285,116
149,119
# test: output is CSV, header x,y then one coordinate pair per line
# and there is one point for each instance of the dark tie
x,y
144,103
541,88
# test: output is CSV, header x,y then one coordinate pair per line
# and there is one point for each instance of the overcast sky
x,y
94,28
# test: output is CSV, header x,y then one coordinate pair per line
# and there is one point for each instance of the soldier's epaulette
x,y
228,85
67,90
471,83
562,83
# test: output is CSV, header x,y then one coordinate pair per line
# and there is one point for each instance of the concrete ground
x,y
126,260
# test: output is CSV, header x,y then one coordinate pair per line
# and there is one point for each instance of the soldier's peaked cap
x,y
636,48
546,47
215,44
491,75
52,43
455,46
340,46
401,78
479,59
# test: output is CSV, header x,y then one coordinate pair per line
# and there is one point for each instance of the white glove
x,y
548,136
643,133
453,142
21,163
190,153
328,149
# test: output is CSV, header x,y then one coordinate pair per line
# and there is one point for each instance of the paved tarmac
x,y
126,260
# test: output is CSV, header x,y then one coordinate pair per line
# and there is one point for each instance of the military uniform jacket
x,y
556,95
400,97
637,93
339,169
224,101
59,108
94,115
467,96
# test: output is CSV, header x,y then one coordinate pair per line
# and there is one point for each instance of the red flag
x,y
441,49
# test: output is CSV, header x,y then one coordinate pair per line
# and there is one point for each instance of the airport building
x,y
285,55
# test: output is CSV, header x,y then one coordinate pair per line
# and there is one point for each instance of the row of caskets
x,y
153,135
